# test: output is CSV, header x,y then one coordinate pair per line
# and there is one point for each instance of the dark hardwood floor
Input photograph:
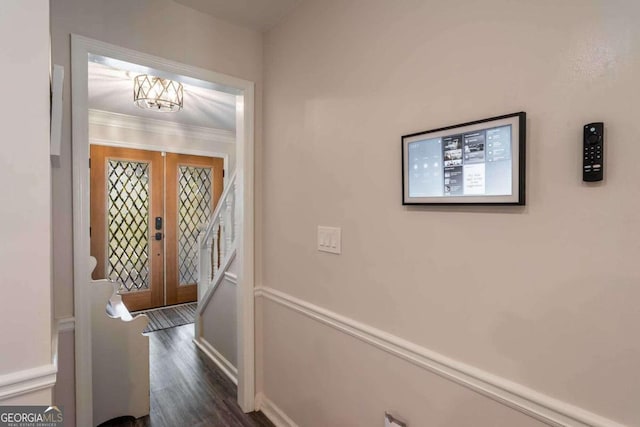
x,y
187,389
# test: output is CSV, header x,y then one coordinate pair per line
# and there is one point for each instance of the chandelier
x,y
156,93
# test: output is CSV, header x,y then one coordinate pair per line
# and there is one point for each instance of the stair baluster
x,y
217,239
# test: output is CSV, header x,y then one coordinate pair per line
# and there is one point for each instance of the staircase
x,y
217,251
216,244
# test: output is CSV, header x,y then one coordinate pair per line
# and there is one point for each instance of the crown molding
x,y
161,127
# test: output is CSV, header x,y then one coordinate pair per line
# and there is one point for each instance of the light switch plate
x,y
329,239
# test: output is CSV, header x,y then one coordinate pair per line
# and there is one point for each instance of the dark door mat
x,y
169,317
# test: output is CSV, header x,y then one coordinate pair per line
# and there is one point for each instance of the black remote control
x,y
593,152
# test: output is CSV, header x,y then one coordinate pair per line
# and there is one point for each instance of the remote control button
x,y
592,138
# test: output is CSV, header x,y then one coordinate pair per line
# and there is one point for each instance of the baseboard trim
x,y
274,413
516,396
27,381
230,371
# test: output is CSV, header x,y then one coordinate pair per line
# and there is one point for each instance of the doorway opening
x,y
147,210
169,182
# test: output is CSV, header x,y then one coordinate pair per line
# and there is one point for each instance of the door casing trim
x,y
244,90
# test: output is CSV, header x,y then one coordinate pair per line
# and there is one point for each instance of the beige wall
x,y
158,27
25,192
219,323
321,377
219,319
545,295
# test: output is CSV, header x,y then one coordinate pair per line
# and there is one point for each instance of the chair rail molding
x,y
66,324
30,380
516,396
231,278
27,381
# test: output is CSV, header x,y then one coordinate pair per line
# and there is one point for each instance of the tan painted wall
x,y
545,295
25,193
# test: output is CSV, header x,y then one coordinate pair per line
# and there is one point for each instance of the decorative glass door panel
x,y
195,194
128,224
194,184
146,214
126,197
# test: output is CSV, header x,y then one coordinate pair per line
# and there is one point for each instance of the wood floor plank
x,y
187,388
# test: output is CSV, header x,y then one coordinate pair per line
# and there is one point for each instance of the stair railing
x,y
217,239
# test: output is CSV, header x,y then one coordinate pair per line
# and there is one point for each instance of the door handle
x,y
158,236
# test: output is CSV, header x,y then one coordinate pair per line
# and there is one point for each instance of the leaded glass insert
x,y
194,208
128,224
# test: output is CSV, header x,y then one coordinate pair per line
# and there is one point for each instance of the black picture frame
x,y
518,165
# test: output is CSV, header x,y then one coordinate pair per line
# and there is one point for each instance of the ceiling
x,y
256,14
111,89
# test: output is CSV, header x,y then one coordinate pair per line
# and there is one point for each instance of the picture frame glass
x,y
479,162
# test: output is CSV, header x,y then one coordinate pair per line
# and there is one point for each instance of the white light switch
x,y
329,239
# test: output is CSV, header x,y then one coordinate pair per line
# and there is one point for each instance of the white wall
x,y
545,296
219,323
25,188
